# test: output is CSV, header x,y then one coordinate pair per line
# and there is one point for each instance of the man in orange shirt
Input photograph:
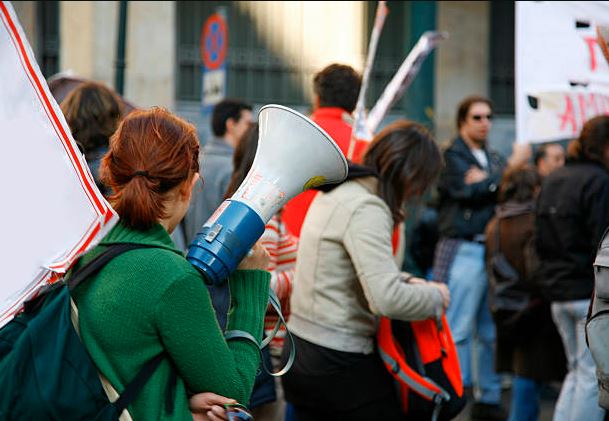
x,y
335,91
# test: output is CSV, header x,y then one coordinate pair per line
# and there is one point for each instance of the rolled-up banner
x,y
404,77
360,126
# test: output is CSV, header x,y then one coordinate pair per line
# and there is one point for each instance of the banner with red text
x,y
51,210
562,76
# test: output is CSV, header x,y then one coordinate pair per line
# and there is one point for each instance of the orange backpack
x,y
422,358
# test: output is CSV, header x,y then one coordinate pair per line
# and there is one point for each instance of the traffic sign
x,y
214,42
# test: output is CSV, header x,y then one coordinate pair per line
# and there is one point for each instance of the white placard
x,y
562,77
214,86
51,210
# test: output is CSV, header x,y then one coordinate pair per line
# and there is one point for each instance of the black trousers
x,y
325,384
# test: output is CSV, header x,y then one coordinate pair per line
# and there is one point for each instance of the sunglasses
x,y
236,412
479,117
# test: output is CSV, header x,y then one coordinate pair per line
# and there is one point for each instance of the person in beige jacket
x,y
347,276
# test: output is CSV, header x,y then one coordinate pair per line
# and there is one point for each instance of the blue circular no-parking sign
x,y
214,40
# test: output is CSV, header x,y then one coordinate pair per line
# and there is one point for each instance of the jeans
x,y
578,398
525,399
470,320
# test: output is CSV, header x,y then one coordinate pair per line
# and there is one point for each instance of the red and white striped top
x,y
282,248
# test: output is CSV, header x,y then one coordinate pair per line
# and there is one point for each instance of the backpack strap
x,y
417,382
414,383
99,262
122,401
240,334
134,387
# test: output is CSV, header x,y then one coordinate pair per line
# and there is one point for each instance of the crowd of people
x,y
509,246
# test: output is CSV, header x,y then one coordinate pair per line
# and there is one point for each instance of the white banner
x,y
562,76
51,210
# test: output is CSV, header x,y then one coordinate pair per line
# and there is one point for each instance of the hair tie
x,y
140,173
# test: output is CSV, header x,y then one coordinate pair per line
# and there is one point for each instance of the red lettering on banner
x,y
579,108
568,117
604,102
591,43
583,105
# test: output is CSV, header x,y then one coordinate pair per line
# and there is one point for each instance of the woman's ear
x,y
188,186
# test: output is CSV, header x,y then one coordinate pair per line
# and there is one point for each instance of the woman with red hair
x,y
151,301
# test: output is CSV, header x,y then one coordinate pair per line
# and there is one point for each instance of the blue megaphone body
x,y
293,155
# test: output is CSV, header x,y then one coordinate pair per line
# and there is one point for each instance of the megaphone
x,y
294,154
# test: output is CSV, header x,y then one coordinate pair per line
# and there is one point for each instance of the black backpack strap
x,y
100,261
135,386
170,393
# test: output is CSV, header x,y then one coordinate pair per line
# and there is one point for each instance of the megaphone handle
x,y
274,301
240,334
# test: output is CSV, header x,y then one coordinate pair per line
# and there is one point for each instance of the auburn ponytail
x,y
152,152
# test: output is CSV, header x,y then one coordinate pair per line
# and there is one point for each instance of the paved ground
x,y
548,401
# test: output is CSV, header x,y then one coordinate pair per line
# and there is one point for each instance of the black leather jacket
x,y
572,214
464,210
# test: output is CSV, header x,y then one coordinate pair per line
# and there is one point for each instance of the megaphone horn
x,y
294,154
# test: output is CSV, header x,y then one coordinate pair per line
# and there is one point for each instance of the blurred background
x,y
274,48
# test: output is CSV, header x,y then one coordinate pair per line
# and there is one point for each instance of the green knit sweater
x,y
147,301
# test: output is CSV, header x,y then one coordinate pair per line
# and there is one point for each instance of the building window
x,y
48,41
502,56
255,73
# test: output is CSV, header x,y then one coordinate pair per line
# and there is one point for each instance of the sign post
x,y
214,43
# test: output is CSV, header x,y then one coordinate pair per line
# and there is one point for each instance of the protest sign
x,y
51,211
562,76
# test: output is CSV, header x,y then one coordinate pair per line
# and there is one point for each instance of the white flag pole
x,y
359,125
403,77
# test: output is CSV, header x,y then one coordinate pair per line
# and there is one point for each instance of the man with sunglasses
x,y
467,196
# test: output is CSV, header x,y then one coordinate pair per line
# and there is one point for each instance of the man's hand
x,y
208,407
521,153
474,175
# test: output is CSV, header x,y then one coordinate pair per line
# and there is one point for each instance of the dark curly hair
x,y
592,141
93,112
519,184
337,85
